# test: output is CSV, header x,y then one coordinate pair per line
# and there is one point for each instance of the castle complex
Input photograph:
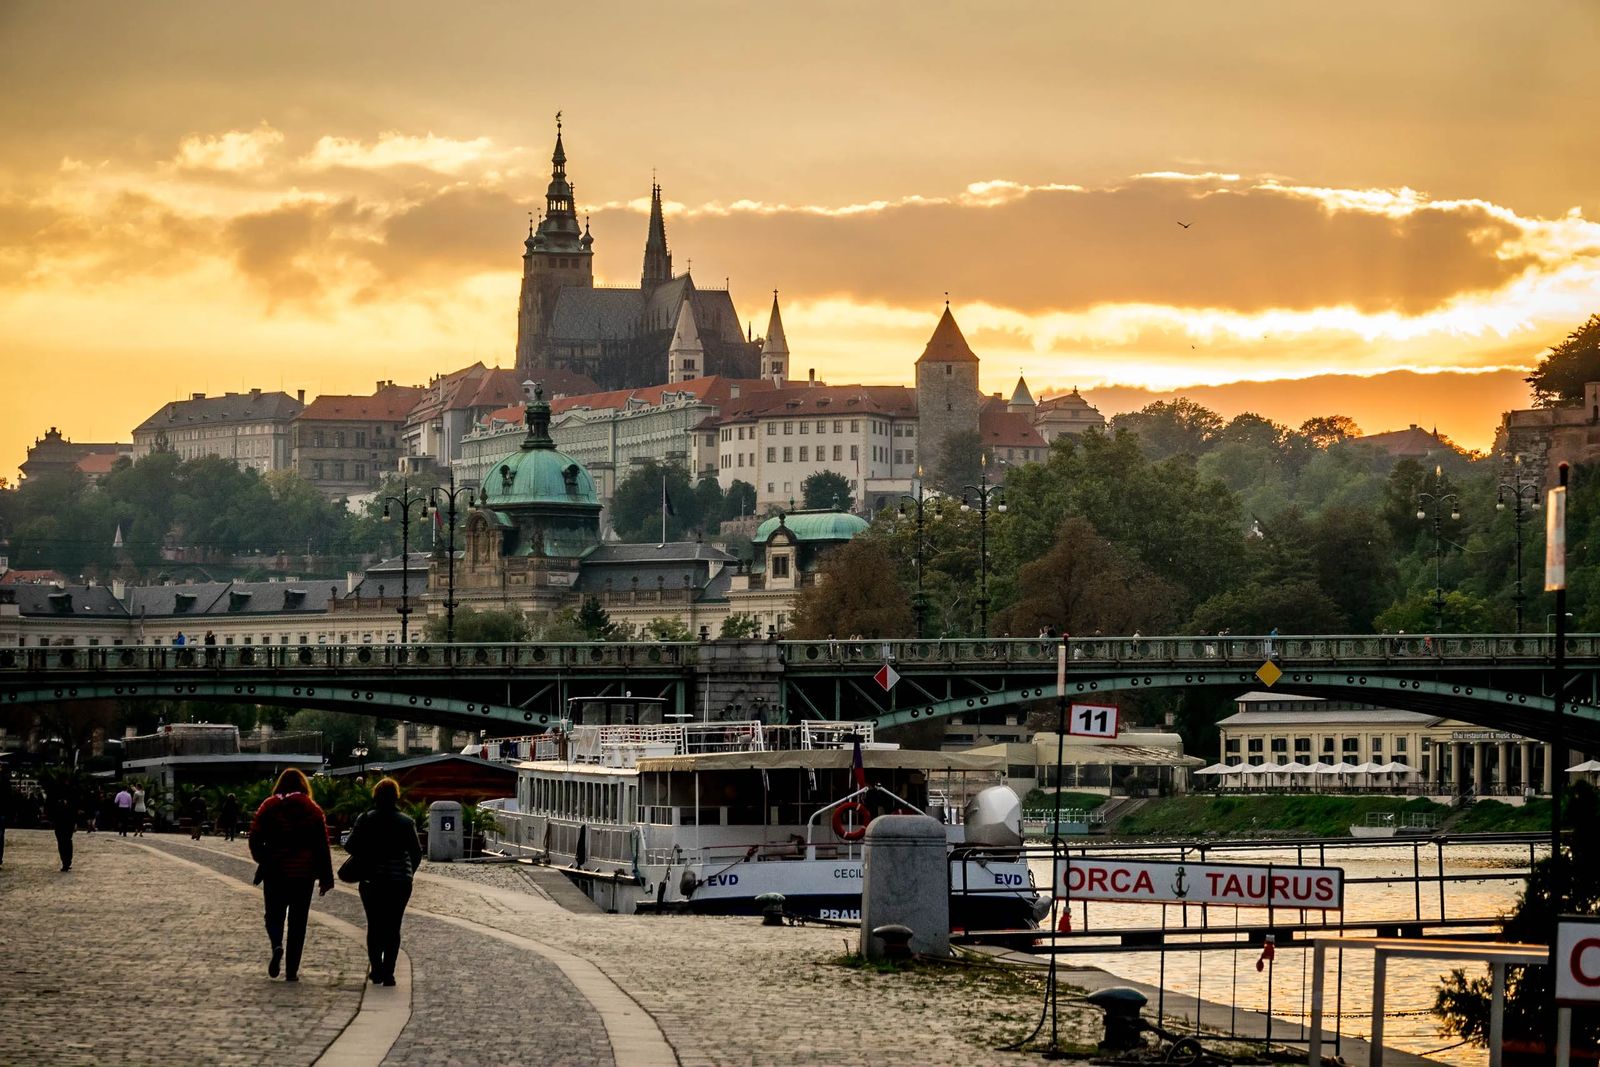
x,y
665,329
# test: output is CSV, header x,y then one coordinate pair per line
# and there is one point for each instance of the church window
x,y
772,454
805,453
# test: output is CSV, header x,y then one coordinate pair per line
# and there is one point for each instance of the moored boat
x,y
1377,824
709,817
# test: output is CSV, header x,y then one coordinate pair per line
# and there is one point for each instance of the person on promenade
x,y
289,839
63,814
228,817
383,842
180,640
197,815
124,810
140,809
5,806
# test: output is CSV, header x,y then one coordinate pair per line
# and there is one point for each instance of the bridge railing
x,y
414,657
1224,650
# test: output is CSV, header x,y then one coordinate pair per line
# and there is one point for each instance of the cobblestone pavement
x,y
731,991
474,1000
178,960
127,959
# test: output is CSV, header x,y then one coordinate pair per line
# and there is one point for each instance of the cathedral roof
x,y
947,345
582,313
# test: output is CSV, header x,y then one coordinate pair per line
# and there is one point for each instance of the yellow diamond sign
x,y
1269,673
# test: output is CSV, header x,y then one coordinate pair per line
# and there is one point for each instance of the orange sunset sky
x,y
1390,204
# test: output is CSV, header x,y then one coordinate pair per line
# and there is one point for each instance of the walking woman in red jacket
x,y
289,839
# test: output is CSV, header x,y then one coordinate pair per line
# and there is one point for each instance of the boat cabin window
x,y
700,816
616,711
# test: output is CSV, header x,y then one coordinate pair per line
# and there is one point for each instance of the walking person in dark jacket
x,y
289,839
228,817
384,842
63,812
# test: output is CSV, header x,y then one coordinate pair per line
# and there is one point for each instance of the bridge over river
x,y
1501,681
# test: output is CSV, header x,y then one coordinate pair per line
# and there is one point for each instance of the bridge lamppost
x,y
1433,505
1524,498
403,503
983,492
360,754
450,496
920,606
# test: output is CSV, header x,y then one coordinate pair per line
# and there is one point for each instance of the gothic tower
x,y
558,254
686,357
947,390
657,258
775,349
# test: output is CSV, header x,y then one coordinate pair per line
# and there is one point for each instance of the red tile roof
x,y
35,577
1000,428
712,390
824,400
99,462
392,403
947,345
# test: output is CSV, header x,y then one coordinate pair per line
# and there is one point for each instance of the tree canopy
x,y
826,489
1563,371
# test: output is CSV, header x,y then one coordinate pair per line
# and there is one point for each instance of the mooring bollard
x,y
896,940
905,881
771,908
1124,1027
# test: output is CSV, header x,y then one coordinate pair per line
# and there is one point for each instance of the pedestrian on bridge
x,y
383,845
289,839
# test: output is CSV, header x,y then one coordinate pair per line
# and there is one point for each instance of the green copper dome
x,y
537,473
814,526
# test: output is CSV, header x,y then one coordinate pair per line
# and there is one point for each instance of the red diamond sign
x,y
886,677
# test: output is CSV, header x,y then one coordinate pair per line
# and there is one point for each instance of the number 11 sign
x,y
1092,720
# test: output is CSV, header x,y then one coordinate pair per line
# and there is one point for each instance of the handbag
x,y
353,869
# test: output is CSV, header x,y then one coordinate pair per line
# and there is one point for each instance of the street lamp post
x,y
920,502
404,503
360,754
1433,504
984,493
450,496
1519,491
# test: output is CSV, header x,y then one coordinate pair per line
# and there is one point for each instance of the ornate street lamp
x,y
920,502
450,496
983,492
1524,498
360,754
404,503
1433,505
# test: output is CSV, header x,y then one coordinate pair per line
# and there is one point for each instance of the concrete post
x,y
905,880
1549,770
446,831
1477,768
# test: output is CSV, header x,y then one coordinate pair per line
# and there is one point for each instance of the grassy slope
x,y
1306,814
1493,815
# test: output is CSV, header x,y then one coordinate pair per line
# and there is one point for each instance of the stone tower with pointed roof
x,y
558,254
948,400
686,358
1021,401
618,336
775,348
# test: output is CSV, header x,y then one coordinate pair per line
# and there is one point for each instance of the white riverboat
x,y
1377,824
709,817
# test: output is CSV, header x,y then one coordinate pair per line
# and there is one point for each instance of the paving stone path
x,y
139,958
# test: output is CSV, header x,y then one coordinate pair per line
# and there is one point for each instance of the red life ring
x,y
839,827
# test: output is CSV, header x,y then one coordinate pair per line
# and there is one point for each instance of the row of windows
x,y
788,487
353,637
1330,745
821,425
319,439
334,469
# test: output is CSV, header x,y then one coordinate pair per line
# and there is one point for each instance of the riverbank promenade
x,y
151,951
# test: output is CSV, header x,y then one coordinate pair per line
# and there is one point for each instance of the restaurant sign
x,y
1237,884
1483,735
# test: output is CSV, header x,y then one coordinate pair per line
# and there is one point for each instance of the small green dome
x,y
538,476
537,473
814,526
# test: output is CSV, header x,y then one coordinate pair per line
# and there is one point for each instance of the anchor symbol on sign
x,y
1180,884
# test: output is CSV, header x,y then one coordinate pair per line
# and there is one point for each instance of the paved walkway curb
x,y
377,1024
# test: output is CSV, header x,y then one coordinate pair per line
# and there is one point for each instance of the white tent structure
x,y
1586,767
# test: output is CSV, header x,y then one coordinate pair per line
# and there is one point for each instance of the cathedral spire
x,y
775,348
657,258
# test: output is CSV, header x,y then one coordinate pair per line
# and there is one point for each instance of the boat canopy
x,y
819,759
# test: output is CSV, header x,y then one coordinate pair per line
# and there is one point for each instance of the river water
x,y
1231,977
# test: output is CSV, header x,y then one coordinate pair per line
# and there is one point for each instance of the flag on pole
x,y
858,769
